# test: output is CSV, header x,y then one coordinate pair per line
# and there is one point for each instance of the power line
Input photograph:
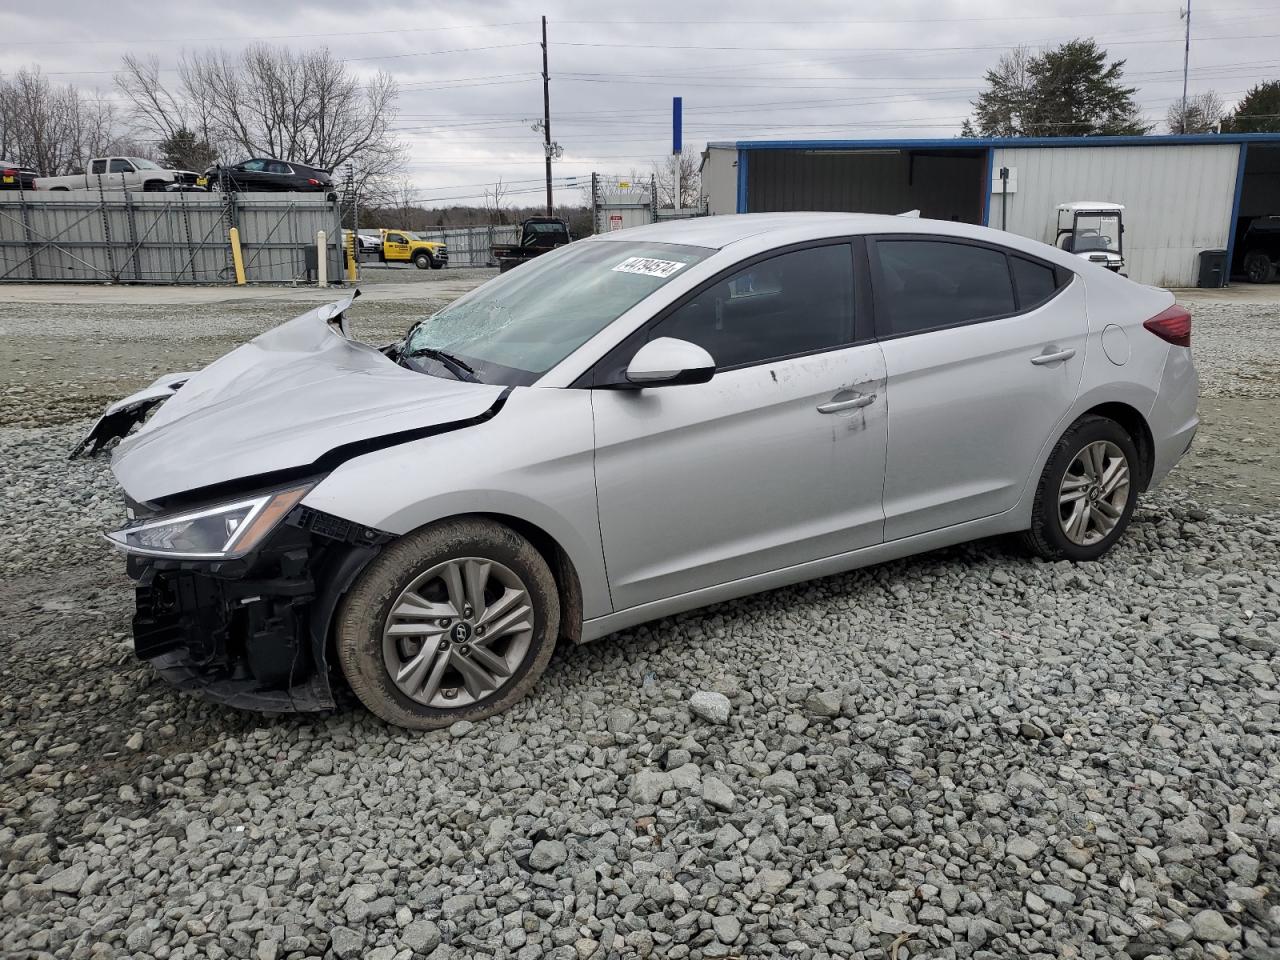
x,y
272,36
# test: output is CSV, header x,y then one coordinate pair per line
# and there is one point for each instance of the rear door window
x,y
926,284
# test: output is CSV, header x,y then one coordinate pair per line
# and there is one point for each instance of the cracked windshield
x,y
521,324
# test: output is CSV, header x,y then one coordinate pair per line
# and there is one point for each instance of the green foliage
x,y
1067,91
182,151
1258,112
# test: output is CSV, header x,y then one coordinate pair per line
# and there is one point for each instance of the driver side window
x,y
794,303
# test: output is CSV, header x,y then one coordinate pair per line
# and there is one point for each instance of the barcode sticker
x,y
649,267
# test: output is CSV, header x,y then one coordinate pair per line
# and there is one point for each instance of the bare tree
x,y
405,198
690,181
1203,114
1001,110
304,106
493,199
55,130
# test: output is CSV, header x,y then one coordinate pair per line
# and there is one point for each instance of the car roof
x,y
759,232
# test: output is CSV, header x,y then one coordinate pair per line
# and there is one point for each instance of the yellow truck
x,y
401,246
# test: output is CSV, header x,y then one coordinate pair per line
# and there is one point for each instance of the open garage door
x,y
941,184
1255,252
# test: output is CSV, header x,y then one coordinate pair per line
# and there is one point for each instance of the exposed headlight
x,y
222,532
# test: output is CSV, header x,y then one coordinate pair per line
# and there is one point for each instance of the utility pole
x,y
1186,60
546,112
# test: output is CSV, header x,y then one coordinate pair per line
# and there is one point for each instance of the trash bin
x,y
1213,268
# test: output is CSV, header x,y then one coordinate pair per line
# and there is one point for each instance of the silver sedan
x,y
631,426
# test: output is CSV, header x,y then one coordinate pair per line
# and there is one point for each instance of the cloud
x,y
471,87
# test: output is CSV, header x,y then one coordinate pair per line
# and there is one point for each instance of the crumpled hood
x,y
283,401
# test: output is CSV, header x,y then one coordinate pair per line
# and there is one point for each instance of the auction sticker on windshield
x,y
649,267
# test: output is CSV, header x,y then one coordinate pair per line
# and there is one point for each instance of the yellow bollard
x,y
237,258
352,272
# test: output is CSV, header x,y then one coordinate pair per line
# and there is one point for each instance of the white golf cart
x,y
1094,230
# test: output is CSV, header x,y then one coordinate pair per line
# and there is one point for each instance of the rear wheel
x,y
1087,493
454,622
1258,267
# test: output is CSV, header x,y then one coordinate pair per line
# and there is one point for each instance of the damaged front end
x,y
252,631
238,578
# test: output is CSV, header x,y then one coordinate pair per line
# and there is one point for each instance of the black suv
x,y
267,174
1257,251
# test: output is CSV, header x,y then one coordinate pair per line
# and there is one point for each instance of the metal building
x,y
1182,194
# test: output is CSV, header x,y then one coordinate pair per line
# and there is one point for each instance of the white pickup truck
x,y
122,173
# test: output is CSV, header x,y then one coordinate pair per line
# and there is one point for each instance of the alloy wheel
x,y
1093,493
458,632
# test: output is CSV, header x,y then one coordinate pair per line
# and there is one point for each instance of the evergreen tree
x,y
182,151
1070,90
1258,112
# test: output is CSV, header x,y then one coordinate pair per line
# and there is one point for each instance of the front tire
x,y
1086,495
422,261
1258,267
456,621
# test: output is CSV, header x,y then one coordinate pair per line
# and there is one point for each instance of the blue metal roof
x,y
980,143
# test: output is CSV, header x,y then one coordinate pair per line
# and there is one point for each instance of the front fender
x,y
533,462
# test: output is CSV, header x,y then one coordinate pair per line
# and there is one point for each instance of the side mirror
x,y
666,362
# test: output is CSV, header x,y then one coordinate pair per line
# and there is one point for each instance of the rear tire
x,y
406,662
1258,267
1086,494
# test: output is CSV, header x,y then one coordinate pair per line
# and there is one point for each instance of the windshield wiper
x,y
455,365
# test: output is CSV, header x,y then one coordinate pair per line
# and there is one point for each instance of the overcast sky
x,y
470,84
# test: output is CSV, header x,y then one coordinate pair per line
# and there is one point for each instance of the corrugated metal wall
x,y
720,179
945,187
1177,199
115,236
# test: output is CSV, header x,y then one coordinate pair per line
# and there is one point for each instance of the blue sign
x,y
677,122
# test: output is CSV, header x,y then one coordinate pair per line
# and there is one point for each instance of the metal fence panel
x,y
620,202
121,237
471,246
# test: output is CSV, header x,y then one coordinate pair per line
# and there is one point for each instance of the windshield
x,y
518,326
1097,231
143,164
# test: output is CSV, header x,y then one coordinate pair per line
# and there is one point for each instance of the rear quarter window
x,y
1035,282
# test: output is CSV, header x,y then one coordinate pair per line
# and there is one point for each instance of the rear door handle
x,y
1044,358
853,403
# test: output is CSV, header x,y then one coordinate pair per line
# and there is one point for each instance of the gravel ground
x,y
964,754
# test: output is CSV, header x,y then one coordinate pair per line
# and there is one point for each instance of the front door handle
x,y
853,403
1044,358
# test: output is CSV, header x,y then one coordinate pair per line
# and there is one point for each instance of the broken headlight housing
x,y
222,532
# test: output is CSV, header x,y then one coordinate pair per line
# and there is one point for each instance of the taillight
x,y
1173,325
314,183
8,173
